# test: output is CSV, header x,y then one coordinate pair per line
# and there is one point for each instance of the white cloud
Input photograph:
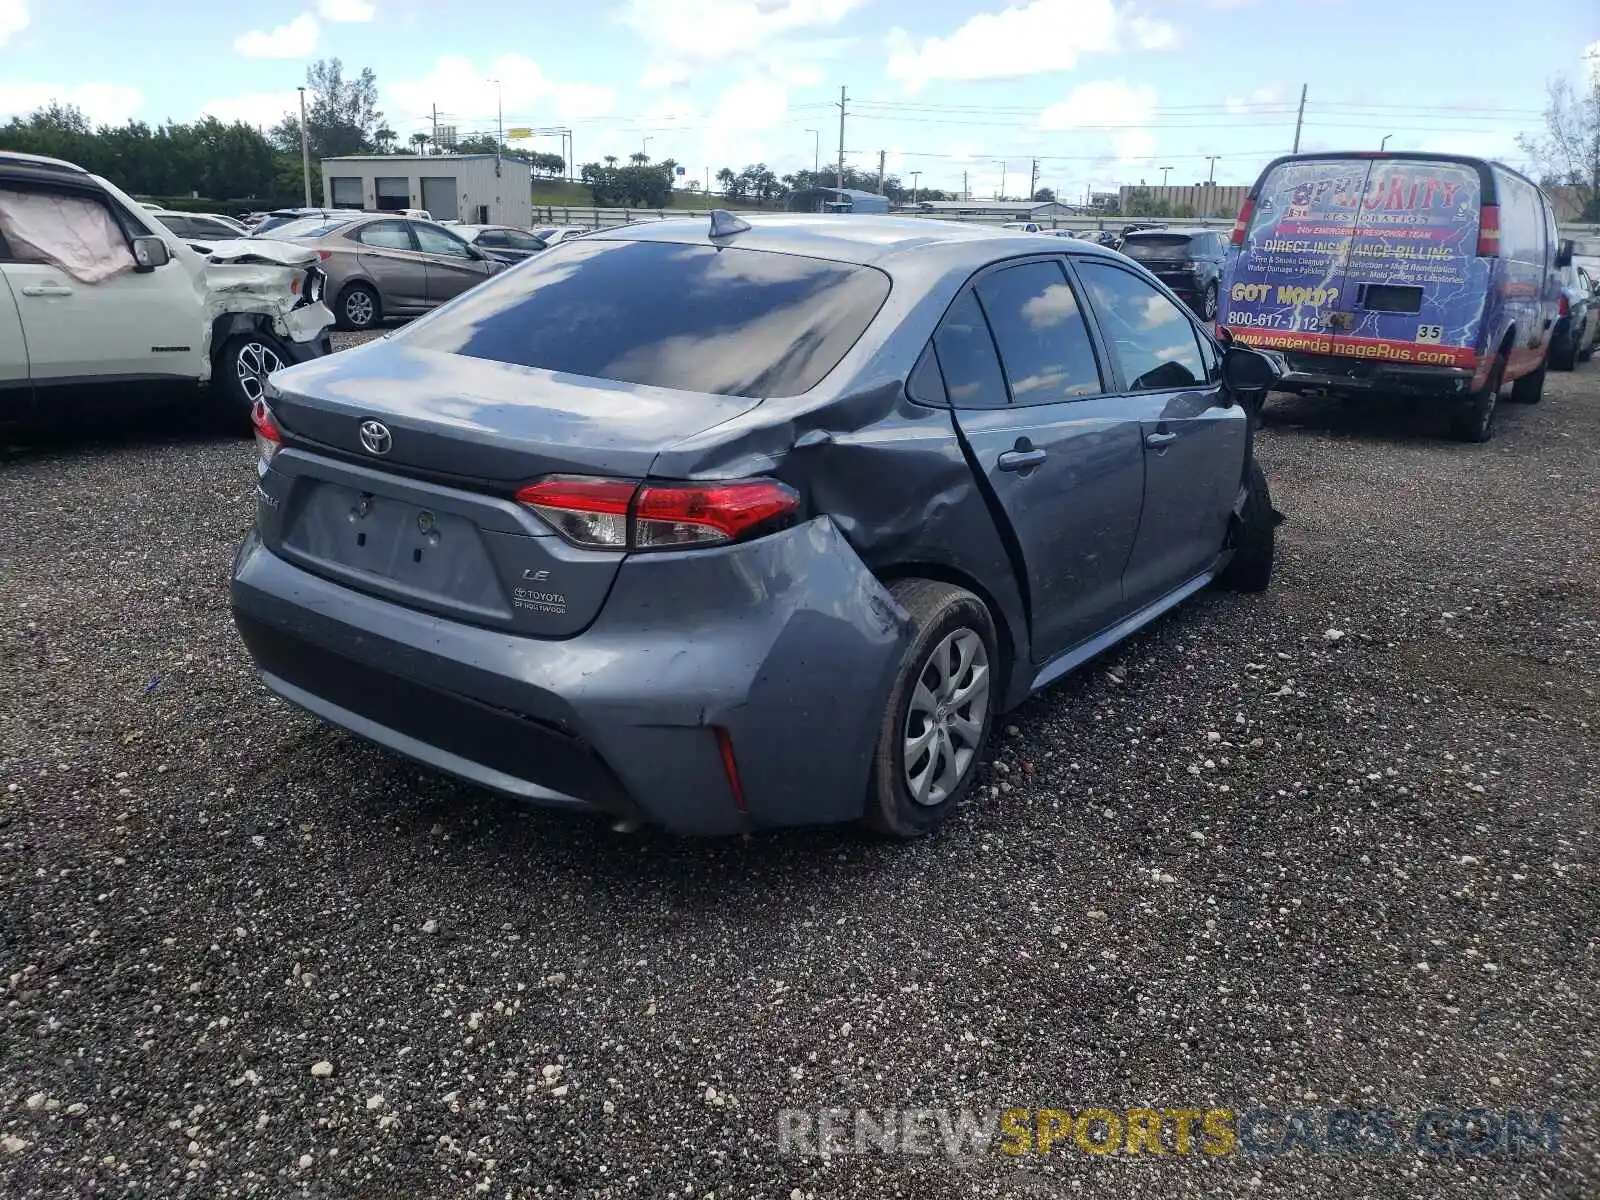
x,y
1148,34
1272,94
662,75
13,19
346,11
1095,106
703,31
1025,39
464,88
253,108
102,103
297,39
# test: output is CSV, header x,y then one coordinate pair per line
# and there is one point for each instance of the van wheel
x,y
241,369
939,712
1254,536
358,307
1530,388
1472,420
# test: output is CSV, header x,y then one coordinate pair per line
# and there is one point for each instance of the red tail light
x,y
1489,231
269,438
620,514
731,768
324,255
1246,211
1566,306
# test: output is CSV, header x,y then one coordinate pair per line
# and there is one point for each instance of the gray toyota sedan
x,y
723,524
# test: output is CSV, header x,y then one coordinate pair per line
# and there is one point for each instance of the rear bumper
x,y
787,643
1363,376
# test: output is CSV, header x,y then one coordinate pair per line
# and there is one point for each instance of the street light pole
x,y
499,124
1002,167
816,152
644,147
305,147
1383,144
1164,171
916,176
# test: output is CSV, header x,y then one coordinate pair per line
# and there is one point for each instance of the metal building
x,y
478,189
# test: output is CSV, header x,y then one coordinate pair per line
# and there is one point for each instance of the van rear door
x,y
1287,276
1414,286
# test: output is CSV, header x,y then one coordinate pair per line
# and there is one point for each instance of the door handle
x,y
1021,460
1157,440
47,289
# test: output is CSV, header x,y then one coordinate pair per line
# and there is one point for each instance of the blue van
x,y
1399,274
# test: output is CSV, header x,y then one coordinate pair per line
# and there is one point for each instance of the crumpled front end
x,y
278,280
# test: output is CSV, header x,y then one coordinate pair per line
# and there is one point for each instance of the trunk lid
x,y
431,522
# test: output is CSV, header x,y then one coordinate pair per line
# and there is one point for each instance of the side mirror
x,y
1564,252
1248,370
150,252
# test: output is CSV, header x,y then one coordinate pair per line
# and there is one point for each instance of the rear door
x,y
452,266
16,396
389,257
1414,286
1063,460
1194,438
1286,286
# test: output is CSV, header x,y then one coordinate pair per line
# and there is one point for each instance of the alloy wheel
x,y
945,718
358,308
254,362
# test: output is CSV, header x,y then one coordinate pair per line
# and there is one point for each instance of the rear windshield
x,y
1146,246
726,321
302,227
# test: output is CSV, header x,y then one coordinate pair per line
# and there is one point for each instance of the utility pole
x,y
839,182
916,177
883,156
305,147
499,125
1300,118
1033,180
433,141
965,195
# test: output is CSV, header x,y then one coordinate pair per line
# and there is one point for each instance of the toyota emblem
x,y
376,438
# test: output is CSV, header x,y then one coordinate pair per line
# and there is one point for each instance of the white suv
x,y
100,303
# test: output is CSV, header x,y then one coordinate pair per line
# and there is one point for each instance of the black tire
x,y
940,613
1208,304
1530,388
1472,419
1254,536
240,370
359,307
1563,347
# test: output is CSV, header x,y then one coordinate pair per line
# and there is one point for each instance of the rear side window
x,y
966,357
391,235
699,318
1152,338
1044,343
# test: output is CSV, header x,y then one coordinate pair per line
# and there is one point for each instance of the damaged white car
x,y
100,304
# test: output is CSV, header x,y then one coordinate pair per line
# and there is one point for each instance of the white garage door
x,y
439,197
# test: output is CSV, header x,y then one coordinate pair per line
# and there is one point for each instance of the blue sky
x,y
1102,91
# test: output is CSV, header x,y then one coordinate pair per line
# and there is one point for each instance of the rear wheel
x,y
939,712
1530,388
358,307
1208,303
1472,420
1564,347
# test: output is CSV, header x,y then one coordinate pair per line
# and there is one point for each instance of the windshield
x,y
1176,246
691,317
301,227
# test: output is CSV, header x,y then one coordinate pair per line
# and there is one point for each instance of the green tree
x,y
342,114
1142,204
1567,152
419,142
1044,195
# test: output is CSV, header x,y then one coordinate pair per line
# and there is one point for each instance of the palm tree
x,y
638,158
420,141
383,136
611,160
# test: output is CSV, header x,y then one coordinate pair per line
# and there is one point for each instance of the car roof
x,y
17,158
863,239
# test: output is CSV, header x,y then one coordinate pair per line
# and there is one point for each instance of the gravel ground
x,y
1240,861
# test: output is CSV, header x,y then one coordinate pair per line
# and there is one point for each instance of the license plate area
x,y
410,550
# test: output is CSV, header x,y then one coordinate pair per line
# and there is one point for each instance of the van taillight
x,y
622,514
1565,308
1489,231
1246,211
269,438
